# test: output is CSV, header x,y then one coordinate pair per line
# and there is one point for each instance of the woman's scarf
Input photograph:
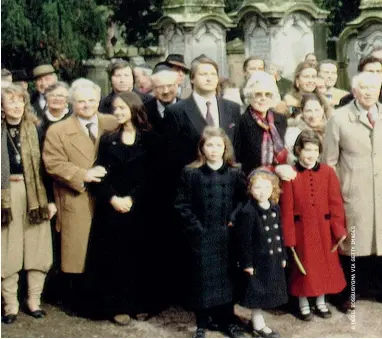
x,y
37,202
273,151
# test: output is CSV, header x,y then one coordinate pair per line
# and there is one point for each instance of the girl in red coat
x,y
313,221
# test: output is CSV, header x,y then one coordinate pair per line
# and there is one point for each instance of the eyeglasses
x,y
58,96
161,88
268,95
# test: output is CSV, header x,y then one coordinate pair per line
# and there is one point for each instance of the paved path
x,y
177,323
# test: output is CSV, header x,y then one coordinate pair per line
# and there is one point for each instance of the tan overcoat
x,y
354,149
68,154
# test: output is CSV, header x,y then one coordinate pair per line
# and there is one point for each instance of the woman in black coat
x,y
122,196
262,132
210,193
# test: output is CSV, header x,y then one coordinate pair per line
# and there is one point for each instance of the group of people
x,y
156,195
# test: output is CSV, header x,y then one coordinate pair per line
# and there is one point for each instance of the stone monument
x,y
282,31
96,68
194,27
359,38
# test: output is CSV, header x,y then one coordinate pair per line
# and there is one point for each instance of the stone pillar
x,y
281,31
194,27
96,68
358,39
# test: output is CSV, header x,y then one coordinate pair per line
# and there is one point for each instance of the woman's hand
x,y
52,210
249,270
121,204
342,239
285,172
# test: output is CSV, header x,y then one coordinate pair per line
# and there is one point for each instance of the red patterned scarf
x,y
273,151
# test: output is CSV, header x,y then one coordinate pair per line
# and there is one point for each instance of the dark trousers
x,y
223,315
74,293
363,276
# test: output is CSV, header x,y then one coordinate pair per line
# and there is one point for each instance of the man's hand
x,y
95,174
285,172
52,209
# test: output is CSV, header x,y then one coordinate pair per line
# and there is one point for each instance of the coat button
x,y
271,252
269,240
279,249
264,217
276,226
267,228
278,237
273,214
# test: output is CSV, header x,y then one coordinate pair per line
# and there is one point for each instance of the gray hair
x,y
146,71
80,84
165,74
58,84
261,78
366,78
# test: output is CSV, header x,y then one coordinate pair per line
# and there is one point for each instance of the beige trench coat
x,y
354,149
68,154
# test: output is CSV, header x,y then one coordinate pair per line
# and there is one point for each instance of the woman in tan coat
x,y
25,233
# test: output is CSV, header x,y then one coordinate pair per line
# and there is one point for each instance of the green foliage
x,y
53,31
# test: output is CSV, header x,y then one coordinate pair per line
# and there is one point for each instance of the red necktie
x,y
209,119
370,117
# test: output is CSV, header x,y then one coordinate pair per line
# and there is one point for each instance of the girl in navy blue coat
x,y
261,252
210,192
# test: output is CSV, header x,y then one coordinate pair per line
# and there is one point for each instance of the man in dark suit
x,y
165,86
186,119
122,80
45,76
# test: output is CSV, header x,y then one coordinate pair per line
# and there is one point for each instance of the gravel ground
x,y
178,323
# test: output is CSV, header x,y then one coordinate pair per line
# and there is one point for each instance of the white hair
x,y
146,71
169,75
80,84
366,78
264,79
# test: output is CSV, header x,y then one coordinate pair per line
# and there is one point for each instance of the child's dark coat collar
x,y
301,168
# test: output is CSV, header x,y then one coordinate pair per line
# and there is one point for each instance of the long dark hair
x,y
138,111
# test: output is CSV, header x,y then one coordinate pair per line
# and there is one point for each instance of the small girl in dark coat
x,y
261,252
210,191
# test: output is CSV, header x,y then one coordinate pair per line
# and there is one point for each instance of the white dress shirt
x,y
202,105
362,111
93,128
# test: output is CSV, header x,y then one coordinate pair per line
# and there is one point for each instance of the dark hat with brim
x,y
21,75
162,66
176,60
42,70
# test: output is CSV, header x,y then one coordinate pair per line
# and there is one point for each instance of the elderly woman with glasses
x,y
25,210
262,130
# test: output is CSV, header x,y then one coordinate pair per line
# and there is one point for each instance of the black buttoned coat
x,y
260,245
250,136
207,200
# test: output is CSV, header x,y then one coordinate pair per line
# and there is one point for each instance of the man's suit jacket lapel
x,y
355,114
80,140
194,114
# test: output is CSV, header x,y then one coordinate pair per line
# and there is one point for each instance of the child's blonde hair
x,y
264,173
210,132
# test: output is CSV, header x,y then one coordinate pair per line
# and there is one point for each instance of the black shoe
x,y
38,314
262,334
346,307
234,331
323,314
200,333
9,318
305,317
